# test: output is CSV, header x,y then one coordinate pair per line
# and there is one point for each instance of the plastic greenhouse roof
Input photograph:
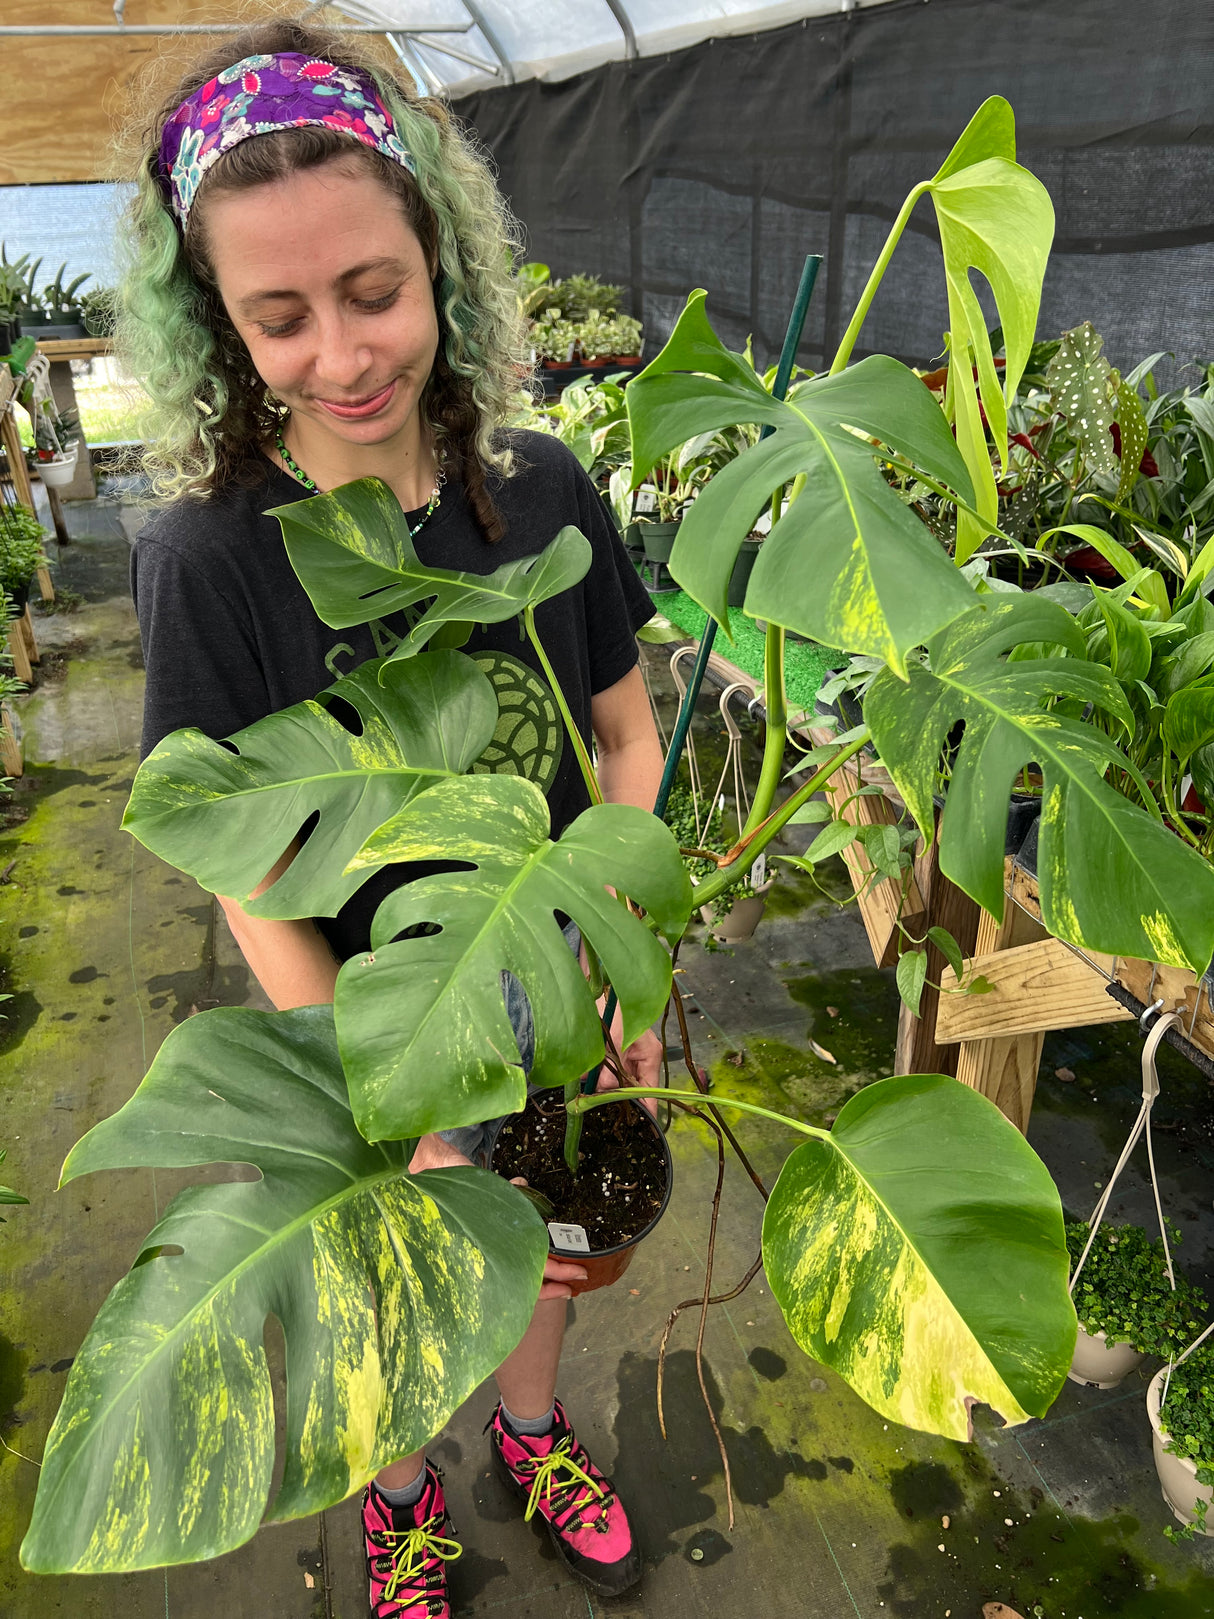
x,y
461,45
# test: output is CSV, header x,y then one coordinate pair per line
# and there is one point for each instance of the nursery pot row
x,y
603,1263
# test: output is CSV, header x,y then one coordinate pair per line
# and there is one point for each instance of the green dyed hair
x,y
209,408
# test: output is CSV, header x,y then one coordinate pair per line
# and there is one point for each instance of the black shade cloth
x,y
721,166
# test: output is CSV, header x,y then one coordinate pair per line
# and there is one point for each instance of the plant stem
x,y
626,1093
573,1127
575,736
874,281
752,843
776,702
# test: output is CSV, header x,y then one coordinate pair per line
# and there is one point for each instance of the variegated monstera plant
x,y
917,1247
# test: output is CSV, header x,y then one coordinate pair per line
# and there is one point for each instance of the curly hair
x,y
209,408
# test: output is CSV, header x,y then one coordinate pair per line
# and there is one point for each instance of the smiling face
x,y
328,287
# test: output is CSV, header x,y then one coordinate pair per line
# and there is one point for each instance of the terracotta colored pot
x,y
607,1265
1098,1364
1177,1474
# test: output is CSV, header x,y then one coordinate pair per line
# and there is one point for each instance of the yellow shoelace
x,y
408,1551
547,1467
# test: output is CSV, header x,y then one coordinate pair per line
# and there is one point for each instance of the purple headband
x,y
263,94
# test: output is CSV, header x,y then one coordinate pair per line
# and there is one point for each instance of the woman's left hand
x,y
642,1063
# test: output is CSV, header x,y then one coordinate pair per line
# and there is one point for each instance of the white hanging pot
x,y
57,474
743,916
1099,1364
1177,1474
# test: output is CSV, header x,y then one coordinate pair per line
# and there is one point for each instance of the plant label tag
x,y
758,872
646,499
571,1238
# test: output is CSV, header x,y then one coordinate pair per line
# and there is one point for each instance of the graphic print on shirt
x,y
529,736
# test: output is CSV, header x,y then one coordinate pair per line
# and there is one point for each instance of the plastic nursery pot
x,y
743,916
742,569
658,540
19,595
606,1265
1177,1474
1099,1364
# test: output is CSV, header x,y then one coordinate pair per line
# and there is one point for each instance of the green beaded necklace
x,y
309,484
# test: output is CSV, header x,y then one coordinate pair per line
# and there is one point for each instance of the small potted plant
x,y
60,307
1126,1306
1182,1436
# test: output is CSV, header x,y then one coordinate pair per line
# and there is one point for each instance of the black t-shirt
x,y
230,636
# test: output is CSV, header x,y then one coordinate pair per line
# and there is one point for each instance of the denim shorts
x,y
473,1139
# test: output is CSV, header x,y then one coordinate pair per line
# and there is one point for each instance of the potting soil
x,y
621,1177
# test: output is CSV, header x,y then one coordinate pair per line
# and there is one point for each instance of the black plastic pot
x,y
19,595
606,1265
742,570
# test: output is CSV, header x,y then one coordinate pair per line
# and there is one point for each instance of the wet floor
x,y
104,950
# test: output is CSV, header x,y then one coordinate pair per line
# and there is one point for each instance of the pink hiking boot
x,y
407,1550
585,1517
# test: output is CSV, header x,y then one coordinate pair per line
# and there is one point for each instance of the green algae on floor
x,y
854,1014
783,1077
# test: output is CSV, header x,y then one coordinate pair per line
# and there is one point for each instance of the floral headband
x,y
264,94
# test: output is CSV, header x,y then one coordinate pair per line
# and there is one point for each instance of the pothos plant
x,y
916,1247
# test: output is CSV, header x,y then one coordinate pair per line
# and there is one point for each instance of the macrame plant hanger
x,y
1141,1126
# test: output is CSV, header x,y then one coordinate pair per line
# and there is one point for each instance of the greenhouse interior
x,y
606,855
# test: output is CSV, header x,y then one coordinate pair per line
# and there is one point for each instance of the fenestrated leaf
x,y
225,813
353,554
397,1294
1083,388
837,563
425,1040
919,1252
996,218
529,737
1112,878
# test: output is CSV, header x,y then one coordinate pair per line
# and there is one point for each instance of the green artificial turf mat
x,y
805,664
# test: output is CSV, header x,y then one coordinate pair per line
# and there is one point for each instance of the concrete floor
x,y
838,1515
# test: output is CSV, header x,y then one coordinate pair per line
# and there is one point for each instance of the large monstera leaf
x,y
997,219
397,1294
848,563
225,812
353,553
1112,878
918,1250
424,1036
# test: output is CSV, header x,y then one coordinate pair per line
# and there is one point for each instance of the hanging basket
x,y
57,474
1177,1474
1098,1364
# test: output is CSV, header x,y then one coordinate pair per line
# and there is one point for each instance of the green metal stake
x,y
788,356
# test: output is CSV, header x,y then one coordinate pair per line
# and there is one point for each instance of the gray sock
x,y
535,1426
408,1495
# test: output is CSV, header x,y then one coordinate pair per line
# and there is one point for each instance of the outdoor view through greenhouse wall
x,y
723,164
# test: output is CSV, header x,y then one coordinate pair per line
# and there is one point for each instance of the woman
x,y
321,292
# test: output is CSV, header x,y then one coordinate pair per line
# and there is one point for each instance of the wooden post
x,y
25,625
11,762
947,907
46,584
18,653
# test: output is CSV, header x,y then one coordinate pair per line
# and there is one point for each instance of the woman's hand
x,y
432,1152
642,1063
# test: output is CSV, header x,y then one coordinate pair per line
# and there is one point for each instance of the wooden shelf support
x,y
11,762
